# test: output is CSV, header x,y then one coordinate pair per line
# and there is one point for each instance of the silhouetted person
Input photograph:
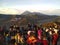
x,y
35,29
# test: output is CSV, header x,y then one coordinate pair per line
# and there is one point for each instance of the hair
x,y
53,31
31,34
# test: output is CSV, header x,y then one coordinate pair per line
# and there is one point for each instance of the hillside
x,y
26,17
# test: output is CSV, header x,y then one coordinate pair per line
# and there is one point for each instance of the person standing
x,y
44,41
39,35
55,37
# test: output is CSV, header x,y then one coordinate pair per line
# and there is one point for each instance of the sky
x,y
19,6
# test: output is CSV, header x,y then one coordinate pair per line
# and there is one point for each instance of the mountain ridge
x,y
32,17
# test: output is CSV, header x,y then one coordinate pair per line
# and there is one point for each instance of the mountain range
x,y
26,17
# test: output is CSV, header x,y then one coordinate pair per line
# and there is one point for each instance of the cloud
x,y
19,11
52,12
10,11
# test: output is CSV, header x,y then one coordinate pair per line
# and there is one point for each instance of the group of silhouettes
x,y
29,35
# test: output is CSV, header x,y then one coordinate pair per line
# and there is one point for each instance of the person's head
x,y
17,28
44,36
29,24
28,32
11,27
31,34
53,32
38,28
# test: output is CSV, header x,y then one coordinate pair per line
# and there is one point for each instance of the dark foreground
x,y
30,35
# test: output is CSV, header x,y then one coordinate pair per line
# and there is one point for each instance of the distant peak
x,y
26,12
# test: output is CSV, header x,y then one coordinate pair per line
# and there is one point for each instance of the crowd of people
x,y
30,35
